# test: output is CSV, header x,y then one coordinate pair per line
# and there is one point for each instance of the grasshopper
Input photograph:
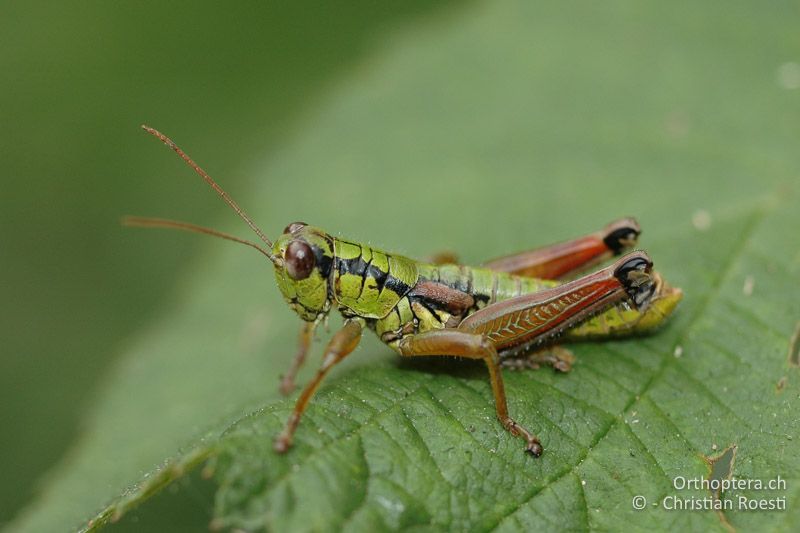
x,y
499,312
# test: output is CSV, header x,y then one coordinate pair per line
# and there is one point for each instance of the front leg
x,y
453,342
303,343
343,342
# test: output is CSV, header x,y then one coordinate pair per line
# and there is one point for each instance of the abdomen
x,y
414,315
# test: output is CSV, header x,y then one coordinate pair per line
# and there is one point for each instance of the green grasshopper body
x,y
383,289
498,312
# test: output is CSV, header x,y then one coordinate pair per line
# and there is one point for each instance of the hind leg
x,y
567,258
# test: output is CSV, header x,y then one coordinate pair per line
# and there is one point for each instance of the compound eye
x,y
299,259
294,226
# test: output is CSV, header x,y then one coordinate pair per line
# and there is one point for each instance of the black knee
x,y
634,272
621,234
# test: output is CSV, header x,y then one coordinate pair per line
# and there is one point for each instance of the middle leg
x,y
558,357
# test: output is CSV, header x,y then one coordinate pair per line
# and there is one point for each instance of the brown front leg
x,y
304,341
343,342
453,342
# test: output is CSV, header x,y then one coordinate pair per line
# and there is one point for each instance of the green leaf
x,y
406,446
494,129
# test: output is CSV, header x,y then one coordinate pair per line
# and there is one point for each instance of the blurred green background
x,y
692,100
77,79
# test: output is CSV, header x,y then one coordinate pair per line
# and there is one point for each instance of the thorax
x,y
367,282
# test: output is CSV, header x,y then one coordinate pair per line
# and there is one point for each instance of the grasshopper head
x,y
303,273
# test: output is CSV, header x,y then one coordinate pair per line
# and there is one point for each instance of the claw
x,y
535,448
282,444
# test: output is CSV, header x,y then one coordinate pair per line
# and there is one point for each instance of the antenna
x,y
151,222
228,200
